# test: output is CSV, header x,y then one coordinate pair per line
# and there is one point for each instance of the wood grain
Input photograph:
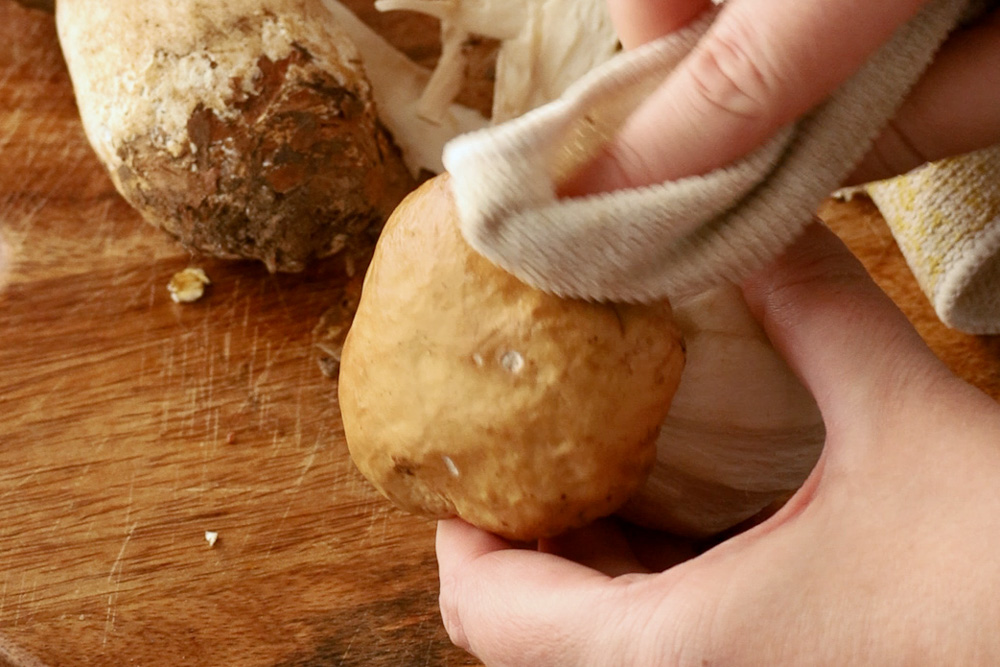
x,y
130,425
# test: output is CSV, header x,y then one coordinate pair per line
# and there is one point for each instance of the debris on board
x,y
188,285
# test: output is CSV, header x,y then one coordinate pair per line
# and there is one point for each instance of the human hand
x,y
765,63
887,555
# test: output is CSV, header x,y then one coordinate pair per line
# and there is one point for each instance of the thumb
x,y
847,341
512,606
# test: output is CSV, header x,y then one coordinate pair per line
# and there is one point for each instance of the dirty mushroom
x,y
247,129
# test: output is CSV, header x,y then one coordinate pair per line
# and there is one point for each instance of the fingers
x,y
847,341
761,65
954,109
641,21
518,607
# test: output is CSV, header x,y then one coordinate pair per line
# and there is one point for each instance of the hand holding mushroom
x,y
741,433
886,556
464,391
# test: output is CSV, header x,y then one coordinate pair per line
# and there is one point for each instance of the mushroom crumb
x,y
188,285
211,537
450,465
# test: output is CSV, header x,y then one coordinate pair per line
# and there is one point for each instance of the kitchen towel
x,y
676,237
945,217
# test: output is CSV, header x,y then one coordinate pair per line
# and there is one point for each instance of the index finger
x,y
762,64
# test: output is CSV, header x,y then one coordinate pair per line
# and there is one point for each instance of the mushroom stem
x,y
449,75
742,431
398,84
545,46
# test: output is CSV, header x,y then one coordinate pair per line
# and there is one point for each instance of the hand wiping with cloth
x,y
696,157
699,157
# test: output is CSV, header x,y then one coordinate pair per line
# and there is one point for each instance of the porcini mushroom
x,y
250,128
426,422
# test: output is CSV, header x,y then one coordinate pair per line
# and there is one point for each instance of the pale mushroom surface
x,y
465,392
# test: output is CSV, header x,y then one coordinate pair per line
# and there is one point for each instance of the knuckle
x,y
820,259
628,165
896,151
731,72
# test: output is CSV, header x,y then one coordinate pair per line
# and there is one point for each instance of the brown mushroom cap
x,y
466,392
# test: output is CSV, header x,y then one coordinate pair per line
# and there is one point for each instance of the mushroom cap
x,y
466,392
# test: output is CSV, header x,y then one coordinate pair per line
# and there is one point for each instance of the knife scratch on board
x,y
8,493
21,596
38,404
11,654
115,577
307,465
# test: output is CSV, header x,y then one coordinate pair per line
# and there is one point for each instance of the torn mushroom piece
x,y
398,84
246,129
545,45
465,392
188,286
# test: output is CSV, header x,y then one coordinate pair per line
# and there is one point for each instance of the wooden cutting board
x,y
131,425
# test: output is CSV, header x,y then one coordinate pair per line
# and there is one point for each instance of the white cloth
x,y
681,236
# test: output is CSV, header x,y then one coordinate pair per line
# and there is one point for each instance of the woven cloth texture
x,y
673,238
